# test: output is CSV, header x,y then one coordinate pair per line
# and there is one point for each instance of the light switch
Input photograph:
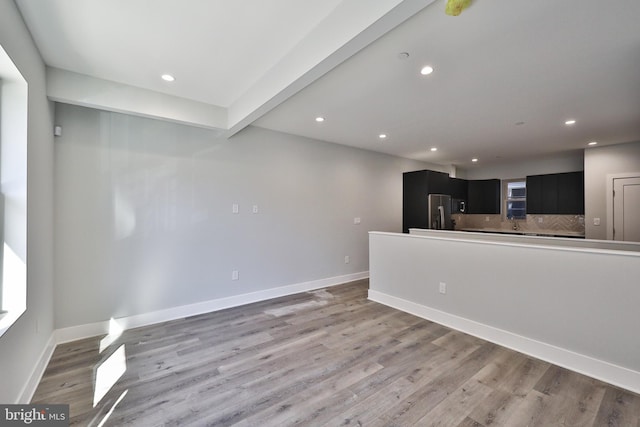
x,y
356,220
596,221
255,209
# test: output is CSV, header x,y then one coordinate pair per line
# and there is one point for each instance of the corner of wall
x,y
25,347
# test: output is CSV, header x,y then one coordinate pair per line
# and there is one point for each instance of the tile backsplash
x,y
533,223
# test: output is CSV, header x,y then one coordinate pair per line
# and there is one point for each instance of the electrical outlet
x,y
443,288
356,220
234,208
487,219
596,221
255,209
347,260
540,220
235,274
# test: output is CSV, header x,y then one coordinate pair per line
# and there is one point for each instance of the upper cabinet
x,y
483,196
458,188
556,194
416,187
571,193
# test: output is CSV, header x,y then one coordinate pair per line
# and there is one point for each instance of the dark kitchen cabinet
x,y
542,194
550,193
534,194
458,188
416,187
556,194
571,193
483,196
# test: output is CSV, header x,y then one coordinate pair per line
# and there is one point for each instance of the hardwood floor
x,y
327,357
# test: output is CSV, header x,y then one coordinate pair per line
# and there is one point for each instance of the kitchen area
x,y
550,205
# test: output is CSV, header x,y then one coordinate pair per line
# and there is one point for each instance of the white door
x,y
626,209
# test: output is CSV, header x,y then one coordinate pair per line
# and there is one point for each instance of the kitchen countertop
x,y
551,233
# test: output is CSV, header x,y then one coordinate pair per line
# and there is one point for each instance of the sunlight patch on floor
x,y
108,373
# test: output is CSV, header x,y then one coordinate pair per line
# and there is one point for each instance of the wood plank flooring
x,y
327,357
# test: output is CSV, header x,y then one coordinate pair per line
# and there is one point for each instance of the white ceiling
x,y
216,48
499,63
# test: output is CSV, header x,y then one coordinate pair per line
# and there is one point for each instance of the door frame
x,y
610,179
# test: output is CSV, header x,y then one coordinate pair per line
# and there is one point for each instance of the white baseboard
x,y
598,369
74,333
36,374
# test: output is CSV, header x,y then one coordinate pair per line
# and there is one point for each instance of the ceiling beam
x,y
79,89
348,29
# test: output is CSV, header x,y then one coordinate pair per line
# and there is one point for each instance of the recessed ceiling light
x,y
426,70
474,160
168,78
434,149
382,136
319,119
570,122
593,143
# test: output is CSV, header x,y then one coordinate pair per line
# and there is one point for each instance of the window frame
x,y
13,187
506,199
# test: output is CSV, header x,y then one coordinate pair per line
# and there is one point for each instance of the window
x,y
13,193
515,199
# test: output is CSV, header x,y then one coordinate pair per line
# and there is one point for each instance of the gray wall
x,y
576,308
598,163
22,345
562,162
144,215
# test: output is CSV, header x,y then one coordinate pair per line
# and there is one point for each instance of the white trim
x,y
74,333
609,193
516,241
604,371
30,387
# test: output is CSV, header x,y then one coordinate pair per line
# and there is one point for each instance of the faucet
x,y
515,223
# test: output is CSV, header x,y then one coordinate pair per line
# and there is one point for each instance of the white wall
x,y
575,308
144,216
562,162
598,163
23,344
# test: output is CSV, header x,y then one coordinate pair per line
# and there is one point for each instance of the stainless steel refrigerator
x,y
440,212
